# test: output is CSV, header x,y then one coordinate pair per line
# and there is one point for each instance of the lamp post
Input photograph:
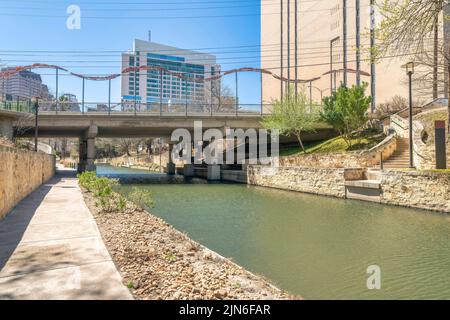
x,y
36,123
410,71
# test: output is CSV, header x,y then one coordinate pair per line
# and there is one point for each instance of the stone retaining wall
x,y
21,172
328,182
424,190
424,141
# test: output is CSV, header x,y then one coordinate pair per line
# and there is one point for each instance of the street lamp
x,y
410,71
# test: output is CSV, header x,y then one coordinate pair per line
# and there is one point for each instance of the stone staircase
x,y
400,158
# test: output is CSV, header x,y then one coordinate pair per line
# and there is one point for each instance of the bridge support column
x,y
188,170
90,153
170,165
6,128
82,155
214,173
87,150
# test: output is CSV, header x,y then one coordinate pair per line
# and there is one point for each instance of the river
x,y
317,247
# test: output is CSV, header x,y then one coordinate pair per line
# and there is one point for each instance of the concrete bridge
x,y
88,126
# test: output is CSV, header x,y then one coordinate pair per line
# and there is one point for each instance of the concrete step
x,y
392,166
367,184
373,174
400,155
367,190
397,160
398,164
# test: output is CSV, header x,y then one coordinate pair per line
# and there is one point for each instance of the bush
x,y
293,115
346,110
86,179
141,197
103,191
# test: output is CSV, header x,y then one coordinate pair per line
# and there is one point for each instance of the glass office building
x,y
151,87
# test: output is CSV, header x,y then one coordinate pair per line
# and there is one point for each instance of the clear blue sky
x,y
110,25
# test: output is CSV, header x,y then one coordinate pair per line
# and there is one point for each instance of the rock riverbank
x,y
159,262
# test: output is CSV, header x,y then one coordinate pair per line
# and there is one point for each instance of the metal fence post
x,y
344,18
57,83
82,99
262,99
186,96
237,94
211,97
109,97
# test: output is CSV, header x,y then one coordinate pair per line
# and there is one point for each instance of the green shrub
x,y
141,197
346,110
103,191
121,203
86,179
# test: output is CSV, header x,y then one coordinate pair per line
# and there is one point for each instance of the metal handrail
x,y
189,109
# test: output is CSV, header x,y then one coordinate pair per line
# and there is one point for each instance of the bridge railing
x,y
18,106
138,108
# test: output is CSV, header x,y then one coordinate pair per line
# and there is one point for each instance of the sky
x,y
36,32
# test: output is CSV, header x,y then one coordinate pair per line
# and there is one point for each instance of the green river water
x,y
314,246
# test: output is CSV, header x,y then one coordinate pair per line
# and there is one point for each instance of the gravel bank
x,y
158,262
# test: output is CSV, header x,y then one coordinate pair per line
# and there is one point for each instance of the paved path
x,y
50,248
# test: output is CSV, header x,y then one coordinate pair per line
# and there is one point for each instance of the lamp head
x,y
409,67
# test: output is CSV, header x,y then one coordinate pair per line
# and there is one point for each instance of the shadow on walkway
x,y
16,222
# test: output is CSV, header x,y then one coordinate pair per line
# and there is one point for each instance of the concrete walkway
x,y
50,248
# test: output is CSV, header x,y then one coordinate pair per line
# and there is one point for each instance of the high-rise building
x,y
326,45
151,87
23,85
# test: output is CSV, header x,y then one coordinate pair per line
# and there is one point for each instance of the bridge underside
x,y
75,125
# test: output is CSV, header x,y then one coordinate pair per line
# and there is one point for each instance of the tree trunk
x,y
299,138
435,57
446,12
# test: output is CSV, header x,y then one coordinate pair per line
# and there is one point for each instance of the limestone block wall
x,y
424,190
424,141
21,172
330,182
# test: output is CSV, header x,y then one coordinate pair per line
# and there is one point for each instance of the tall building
x,y
23,85
149,89
326,46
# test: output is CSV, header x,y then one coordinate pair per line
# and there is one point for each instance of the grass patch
x,y
360,141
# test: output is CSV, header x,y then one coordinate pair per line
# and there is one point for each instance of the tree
x,y
292,116
346,110
412,27
125,145
221,97
63,102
